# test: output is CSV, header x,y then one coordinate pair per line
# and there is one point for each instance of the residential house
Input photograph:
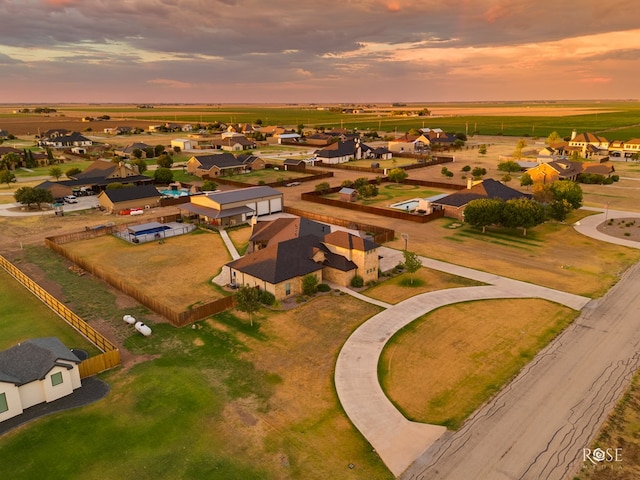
x,y
251,162
4,134
280,268
587,144
232,207
549,172
101,173
141,196
124,130
287,138
127,151
272,130
69,140
215,165
265,233
404,144
294,165
624,149
36,371
454,204
319,139
342,152
235,143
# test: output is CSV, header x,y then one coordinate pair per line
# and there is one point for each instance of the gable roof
x,y
488,188
281,229
243,194
343,239
281,261
98,169
32,359
131,193
338,149
218,160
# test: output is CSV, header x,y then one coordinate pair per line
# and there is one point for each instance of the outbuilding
x,y
126,198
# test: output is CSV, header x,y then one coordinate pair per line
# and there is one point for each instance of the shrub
x,y
615,178
357,281
267,298
323,287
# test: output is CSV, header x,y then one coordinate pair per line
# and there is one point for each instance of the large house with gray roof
x,y
36,371
279,267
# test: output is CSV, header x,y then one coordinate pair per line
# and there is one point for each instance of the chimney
x,y
573,134
469,183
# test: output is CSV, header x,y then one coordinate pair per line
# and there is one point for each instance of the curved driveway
x,y
400,442
397,440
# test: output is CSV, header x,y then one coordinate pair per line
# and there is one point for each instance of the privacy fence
x,y
110,356
177,318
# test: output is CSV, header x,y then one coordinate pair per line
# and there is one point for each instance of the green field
x,y
615,120
23,316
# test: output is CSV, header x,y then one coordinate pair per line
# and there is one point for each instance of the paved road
x,y
538,425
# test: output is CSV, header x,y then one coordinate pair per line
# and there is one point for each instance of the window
x,y
56,379
3,403
287,289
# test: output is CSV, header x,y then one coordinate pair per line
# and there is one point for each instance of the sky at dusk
x,y
256,51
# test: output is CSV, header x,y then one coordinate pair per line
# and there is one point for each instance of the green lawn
x,y
23,316
393,193
266,175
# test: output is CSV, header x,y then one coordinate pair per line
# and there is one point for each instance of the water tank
x,y
143,329
129,319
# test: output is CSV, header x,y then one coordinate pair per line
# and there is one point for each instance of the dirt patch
x,y
624,228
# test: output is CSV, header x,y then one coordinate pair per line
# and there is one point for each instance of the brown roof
x,y
344,239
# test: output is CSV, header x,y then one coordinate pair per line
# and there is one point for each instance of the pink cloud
x,y
61,3
165,82
393,6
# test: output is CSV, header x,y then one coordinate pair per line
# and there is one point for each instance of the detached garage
x,y
126,198
234,206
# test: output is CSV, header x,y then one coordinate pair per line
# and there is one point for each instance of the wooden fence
x,y
176,317
110,356
316,197
315,175
380,234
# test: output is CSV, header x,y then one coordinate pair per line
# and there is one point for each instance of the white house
x,y
184,144
36,371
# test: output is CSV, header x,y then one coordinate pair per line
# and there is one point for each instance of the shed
x,y
348,194
141,196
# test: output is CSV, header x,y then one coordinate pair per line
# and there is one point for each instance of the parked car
x,y
71,199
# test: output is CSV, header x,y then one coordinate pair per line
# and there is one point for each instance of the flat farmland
x,y
179,271
615,120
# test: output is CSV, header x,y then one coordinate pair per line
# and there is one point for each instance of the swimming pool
x,y
175,193
407,205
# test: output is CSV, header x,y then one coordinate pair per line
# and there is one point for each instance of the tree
x,y
368,191
522,213
526,180
29,195
466,168
461,136
323,188
72,172
543,194
176,149
568,190
141,164
136,153
163,175
209,186
116,185
150,152
55,172
7,176
482,150
478,172
10,161
29,159
444,171
509,166
517,153
309,284
248,300
398,175
552,138
360,182
506,178
158,149
484,212
412,263
164,161
258,121
559,209
50,158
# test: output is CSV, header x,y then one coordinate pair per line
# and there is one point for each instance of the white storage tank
x,y
129,319
143,329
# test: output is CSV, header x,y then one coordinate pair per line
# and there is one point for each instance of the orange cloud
x,y
393,6
596,80
60,3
